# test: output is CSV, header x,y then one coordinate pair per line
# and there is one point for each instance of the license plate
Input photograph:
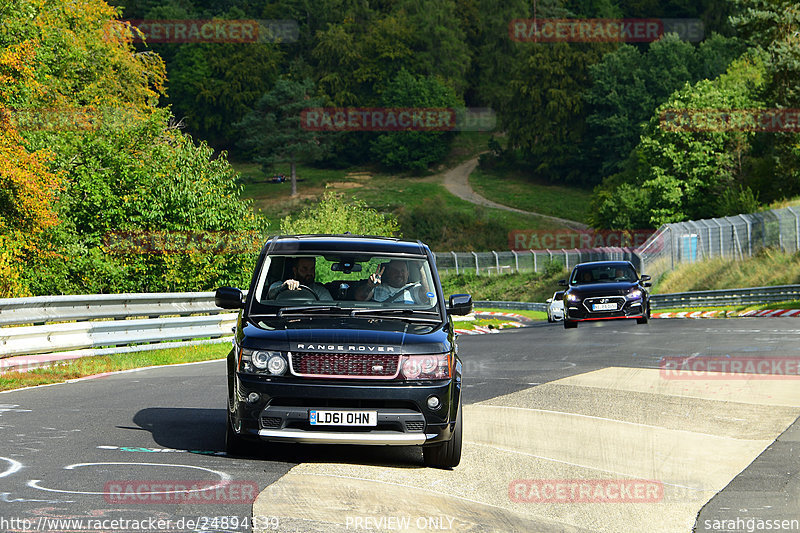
x,y
343,418
604,307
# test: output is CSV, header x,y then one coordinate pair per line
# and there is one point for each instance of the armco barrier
x,y
115,323
81,324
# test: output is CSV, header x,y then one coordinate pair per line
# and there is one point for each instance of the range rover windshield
x,y
352,284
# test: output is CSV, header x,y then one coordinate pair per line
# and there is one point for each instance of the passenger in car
x,y
389,279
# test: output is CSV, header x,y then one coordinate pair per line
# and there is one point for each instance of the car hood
x,y
603,289
346,337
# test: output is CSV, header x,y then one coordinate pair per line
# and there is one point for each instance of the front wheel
x,y
445,455
234,444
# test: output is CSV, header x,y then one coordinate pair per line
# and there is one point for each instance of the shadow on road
x,y
203,431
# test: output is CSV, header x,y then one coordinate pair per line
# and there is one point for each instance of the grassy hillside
x,y
769,267
518,190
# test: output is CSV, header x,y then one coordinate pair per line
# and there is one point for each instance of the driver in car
x,y
304,273
391,279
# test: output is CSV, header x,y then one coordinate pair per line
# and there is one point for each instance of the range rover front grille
x,y
345,365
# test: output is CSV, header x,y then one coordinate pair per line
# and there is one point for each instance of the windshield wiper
x,y
368,311
304,309
409,315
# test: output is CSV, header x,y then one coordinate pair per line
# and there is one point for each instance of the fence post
x,y
477,272
535,267
566,258
749,236
455,260
721,239
796,229
516,260
496,262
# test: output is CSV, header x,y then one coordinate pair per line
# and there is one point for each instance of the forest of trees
x,y
587,114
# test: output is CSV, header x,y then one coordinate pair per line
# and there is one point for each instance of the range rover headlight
x,y
436,366
276,364
261,360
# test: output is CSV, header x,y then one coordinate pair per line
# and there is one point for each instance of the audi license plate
x,y
343,418
604,307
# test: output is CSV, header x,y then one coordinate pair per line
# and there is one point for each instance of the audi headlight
x,y
635,294
261,360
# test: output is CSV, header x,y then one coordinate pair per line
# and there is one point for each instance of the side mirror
x,y
459,304
549,300
644,277
562,283
228,298
647,284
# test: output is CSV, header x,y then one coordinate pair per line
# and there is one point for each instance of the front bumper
x,y
577,311
282,412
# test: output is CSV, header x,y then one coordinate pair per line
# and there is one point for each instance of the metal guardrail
x,y
745,296
72,326
519,306
77,325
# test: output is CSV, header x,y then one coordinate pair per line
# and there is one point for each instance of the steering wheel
x,y
401,290
284,288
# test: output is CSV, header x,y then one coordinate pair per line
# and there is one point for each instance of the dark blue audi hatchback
x,y
345,339
605,290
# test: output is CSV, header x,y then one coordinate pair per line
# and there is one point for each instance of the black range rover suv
x,y
604,290
358,348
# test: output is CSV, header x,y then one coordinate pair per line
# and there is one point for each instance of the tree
x,y
628,85
682,169
273,132
334,215
414,150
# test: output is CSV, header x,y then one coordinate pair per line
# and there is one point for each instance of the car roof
x,y
605,263
329,243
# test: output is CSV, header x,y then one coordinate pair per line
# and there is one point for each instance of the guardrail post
x,y
455,260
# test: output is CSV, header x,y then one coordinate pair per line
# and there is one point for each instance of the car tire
x,y
549,318
234,444
445,455
569,324
644,318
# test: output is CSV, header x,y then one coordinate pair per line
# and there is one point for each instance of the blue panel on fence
x,y
689,247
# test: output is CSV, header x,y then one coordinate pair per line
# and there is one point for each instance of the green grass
x,y
535,315
768,267
90,366
518,190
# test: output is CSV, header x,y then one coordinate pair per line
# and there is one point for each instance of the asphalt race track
x,y
573,430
